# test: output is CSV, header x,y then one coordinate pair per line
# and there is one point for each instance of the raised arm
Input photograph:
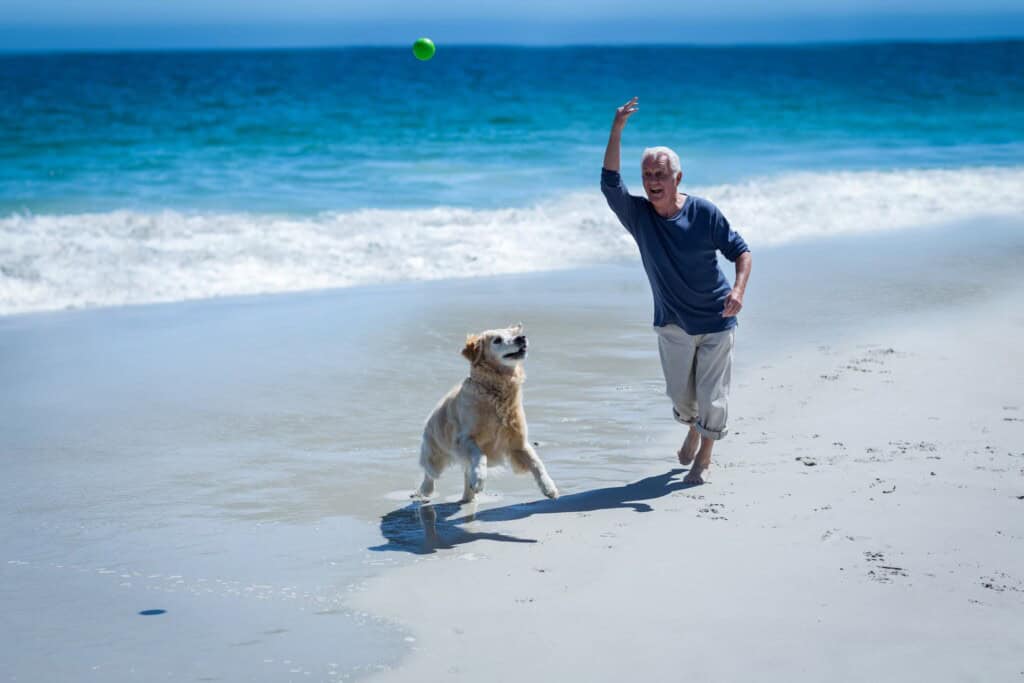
x,y
612,152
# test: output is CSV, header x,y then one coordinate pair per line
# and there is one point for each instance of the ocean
x,y
205,489
140,177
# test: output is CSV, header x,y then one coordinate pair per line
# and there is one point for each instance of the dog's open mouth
x,y
516,355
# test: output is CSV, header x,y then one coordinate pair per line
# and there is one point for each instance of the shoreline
x,y
241,463
132,258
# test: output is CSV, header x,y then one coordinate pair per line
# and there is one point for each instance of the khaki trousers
x,y
698,369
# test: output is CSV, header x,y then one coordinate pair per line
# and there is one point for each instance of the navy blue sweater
x,y
678,254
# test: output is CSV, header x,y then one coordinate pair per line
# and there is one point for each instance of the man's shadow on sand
x,y
423,528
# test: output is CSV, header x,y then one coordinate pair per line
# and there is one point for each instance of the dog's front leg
x,y
468,494
528,458
475,462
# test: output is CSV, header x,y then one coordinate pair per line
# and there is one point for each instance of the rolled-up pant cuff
x,y
682,420
710,433
701,429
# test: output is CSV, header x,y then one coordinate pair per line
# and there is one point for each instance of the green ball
x,y
423,49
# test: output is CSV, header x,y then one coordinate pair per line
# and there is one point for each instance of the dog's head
x,y
503,349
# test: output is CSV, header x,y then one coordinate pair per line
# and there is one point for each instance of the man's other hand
x,y
733,304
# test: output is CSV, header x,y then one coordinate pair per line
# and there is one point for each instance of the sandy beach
x,y
244,465
863,522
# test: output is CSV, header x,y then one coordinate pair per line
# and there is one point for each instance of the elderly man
x,y
694,306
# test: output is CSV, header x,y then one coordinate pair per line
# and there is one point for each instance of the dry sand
x,y
864,521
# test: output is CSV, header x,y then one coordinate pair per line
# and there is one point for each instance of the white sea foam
x,y
126,257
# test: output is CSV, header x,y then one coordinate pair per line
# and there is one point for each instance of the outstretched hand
x,y
623,113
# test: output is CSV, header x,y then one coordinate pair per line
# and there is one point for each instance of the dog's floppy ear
x,y
474,349
516,329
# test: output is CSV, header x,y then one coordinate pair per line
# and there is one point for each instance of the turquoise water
x,y
314,130
129,178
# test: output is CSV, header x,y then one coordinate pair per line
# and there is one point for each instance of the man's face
x,y
659,181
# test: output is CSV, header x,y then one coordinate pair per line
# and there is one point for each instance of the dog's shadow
x,y
424,528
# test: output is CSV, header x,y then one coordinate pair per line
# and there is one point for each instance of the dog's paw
x,y
549,489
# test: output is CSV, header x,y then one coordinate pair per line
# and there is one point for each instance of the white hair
x,y
655,152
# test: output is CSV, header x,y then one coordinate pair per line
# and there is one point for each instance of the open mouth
x,y
516,355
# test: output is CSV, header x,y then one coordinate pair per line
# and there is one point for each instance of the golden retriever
x,y
481,421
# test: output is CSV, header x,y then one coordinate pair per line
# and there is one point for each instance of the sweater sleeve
x,y
725,239
619,200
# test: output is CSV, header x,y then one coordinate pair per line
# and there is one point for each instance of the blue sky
x,y
60,24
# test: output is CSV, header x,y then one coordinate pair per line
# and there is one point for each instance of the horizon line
x,y
456,44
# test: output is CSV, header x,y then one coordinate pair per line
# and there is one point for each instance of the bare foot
x,y
688,451
694,476
701,463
